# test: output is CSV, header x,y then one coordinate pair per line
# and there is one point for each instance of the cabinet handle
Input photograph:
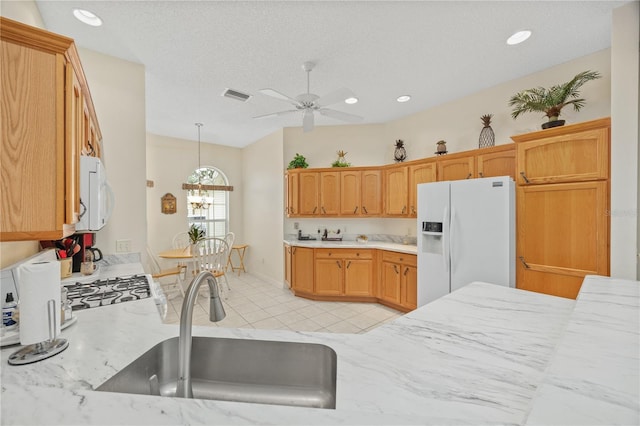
x,y
480,174
348,264
524,177
523,262
404,209
405,271
339,264
413,210
469,176
293,250
364,209
355,210
314,210
395,268
292,211
323,210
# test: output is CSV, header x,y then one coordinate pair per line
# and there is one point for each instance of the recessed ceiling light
x,y
519,37
351,101
403,98
87,17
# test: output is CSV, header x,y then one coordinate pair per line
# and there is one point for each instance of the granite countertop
x,y
381,245
484,354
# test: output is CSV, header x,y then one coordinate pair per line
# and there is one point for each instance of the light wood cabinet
x,y
456,167
498,161
330,193
562,227
345,272
419,173
371,198
398,286
287,265
308,187
44,95
291,195
350,192
302,269
396,190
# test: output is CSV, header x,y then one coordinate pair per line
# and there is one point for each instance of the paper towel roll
x,y
38,283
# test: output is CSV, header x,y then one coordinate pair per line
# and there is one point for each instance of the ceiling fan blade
x,y
352,118
307,121
277,114
280,96
337,96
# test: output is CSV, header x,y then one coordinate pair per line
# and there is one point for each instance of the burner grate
x,y
108,291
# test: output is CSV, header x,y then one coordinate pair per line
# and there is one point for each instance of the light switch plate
x,y
123,246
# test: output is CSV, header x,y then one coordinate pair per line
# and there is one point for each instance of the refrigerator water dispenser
x,y
432,240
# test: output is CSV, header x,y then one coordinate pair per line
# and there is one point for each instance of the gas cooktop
x,y
108,291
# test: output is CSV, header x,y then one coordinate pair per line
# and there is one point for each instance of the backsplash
x,y
387,238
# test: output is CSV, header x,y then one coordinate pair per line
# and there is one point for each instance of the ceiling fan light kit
x,y
308,103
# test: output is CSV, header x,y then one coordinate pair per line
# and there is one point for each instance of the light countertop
x,y
381,245
484,354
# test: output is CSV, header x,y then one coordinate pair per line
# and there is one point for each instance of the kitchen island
x,y
484,354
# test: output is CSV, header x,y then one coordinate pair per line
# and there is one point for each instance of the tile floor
x,y
254,303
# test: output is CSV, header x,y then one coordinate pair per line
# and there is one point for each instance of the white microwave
x,y
96,196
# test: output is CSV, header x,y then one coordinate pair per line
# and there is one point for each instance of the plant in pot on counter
x,y
298,162
552,100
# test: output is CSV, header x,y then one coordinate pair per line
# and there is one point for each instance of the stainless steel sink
x,y
259,371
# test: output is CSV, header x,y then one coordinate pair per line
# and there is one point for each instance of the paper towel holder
x,y
43,350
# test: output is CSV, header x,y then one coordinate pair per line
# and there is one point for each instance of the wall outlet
x,y
123,246
296,225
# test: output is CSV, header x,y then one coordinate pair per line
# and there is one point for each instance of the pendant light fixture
x,y
199,202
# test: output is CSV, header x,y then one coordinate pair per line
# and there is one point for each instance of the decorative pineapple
x,y
341,161
400,154
487,137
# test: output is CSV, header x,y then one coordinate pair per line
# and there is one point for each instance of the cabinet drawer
x,y
344,254
395,257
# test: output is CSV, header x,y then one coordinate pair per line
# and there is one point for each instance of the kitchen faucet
x,y
216,313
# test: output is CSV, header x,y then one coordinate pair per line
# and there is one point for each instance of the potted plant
x,y
552,100
341,161
298,162
196,234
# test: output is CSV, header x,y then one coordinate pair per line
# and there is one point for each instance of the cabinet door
x,y
350,187
371,197
390,285
576,156
456,168
308,193
330,193
328,275
302,269
74,137
501,163
419,173
358,277
287,265
409,287
396,191
563,235
291,201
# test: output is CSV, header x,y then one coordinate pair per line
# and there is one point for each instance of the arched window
x,y
208,210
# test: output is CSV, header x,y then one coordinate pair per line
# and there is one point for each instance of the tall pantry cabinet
x,y
562,207
47,121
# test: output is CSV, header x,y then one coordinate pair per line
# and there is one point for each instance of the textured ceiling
x,y
435,51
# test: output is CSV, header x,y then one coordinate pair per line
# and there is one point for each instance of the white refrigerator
x,y
466,233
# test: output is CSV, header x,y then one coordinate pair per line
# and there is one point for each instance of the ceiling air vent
x,y
234,94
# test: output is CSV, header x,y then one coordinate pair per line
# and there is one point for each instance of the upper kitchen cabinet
x,y
457,166
329,193
496,161
360,192
308,187
579,152
396,190
350,192
423,172
371,196
291,196
45,104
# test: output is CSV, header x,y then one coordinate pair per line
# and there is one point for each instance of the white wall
x,y
263,178
118,92
625,133
169,162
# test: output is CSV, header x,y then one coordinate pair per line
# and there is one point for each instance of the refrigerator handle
x,y
444,239
451,222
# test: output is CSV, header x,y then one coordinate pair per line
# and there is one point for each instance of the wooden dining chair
x,y
157,272
229,239
212,256
181,241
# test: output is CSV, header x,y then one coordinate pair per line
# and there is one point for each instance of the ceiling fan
x,y
309,103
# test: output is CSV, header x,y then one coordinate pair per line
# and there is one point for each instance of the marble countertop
x,y
382,245
481,355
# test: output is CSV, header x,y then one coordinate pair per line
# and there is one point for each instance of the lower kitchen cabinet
x,y
398,283
344,272
287,264
302,269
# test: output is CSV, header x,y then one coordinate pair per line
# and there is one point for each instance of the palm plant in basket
x,y
552,100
